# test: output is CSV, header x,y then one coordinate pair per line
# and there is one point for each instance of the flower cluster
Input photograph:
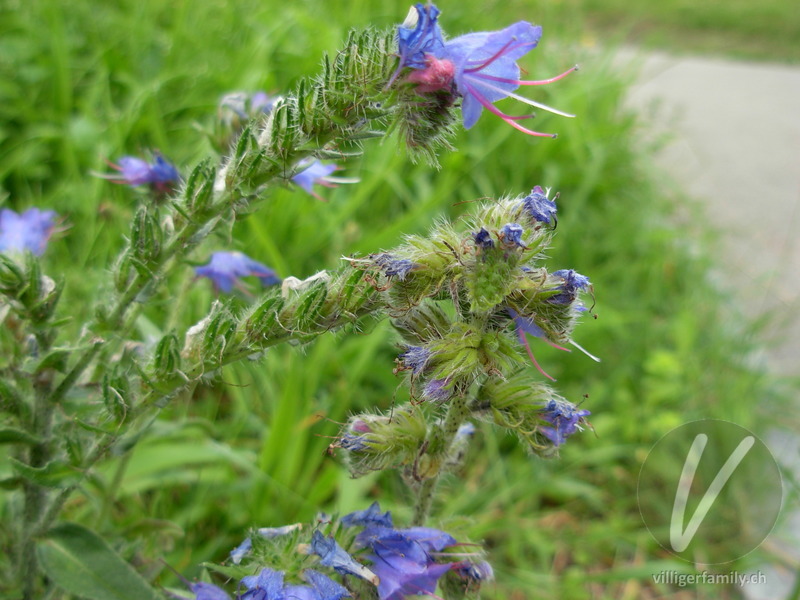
x,y
27,231
400,563
480,68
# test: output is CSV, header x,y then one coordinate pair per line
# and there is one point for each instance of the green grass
x,y
95,80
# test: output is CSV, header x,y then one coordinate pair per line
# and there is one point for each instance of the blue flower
x,y
437,390
539,207
355,440
202,591
393,266
312,172
568,290
565,419
369,517
486,71
512,234
161,175
333,555
267,585
402,559
29,231
483,239
419,37
477,572
323,586
225,268
415,358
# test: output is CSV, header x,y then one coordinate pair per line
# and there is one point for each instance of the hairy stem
x,y
441,437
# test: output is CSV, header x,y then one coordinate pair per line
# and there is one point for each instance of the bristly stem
x,y
443,436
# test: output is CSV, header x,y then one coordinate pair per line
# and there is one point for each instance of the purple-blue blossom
x,y
355,440
419,37
369,517
415,358
568,290
403,559
311,172
266,585
565,419
332,555
511,234
478,572
483,239
225,268
27,231
161,175
479,67
393,266
539,207
437,390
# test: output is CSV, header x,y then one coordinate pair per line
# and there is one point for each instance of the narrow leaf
x,y
81,563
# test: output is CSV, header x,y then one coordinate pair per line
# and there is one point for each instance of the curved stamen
x,y
492,58
524,341
523,98
526,82
507,118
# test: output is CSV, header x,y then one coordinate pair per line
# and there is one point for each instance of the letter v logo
x,y
680,539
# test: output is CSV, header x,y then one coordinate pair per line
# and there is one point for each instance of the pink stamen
x,y
492,58
524,82
507,118
524,341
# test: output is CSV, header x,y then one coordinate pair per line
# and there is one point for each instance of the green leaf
x,y
10,435
55,474
81,563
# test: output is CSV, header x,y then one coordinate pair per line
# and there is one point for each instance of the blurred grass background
x,y
91,80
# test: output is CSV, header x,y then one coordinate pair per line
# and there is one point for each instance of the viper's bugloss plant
x,y
460,298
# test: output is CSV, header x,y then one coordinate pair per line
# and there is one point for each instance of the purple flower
x,y
437,390
312,171
393,266
419,37
355,440
402,559
486,71
480,67
415,358
323,586
477,572
539,207
267,585
565,419
28,231
483,239
512,234
568,291
369,517
161,175
225,268
261,102
333,555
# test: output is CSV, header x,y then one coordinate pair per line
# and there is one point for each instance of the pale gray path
x,y
735,147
